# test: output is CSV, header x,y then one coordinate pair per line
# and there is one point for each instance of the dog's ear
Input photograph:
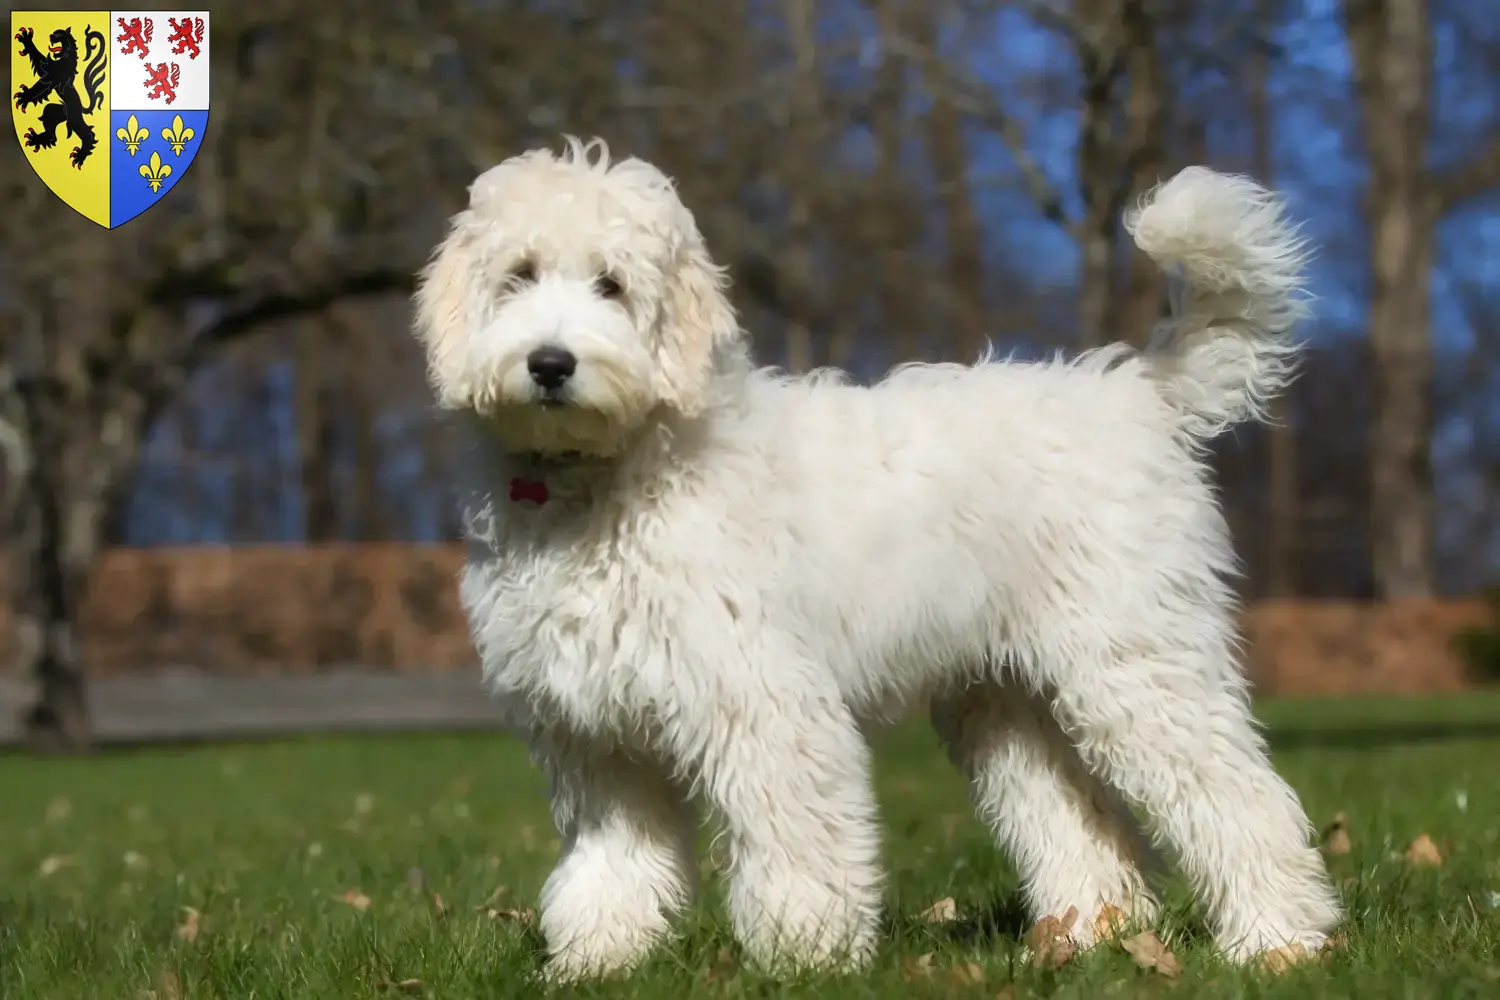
x,y
697,320
442,309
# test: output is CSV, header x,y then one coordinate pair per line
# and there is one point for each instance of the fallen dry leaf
x,y
1051,941
523,917
723,968
54,863
356,899
917,968
1278,960
1109,923
166,987
1336,837
1057,953
1148,952
188,929
968,974
408,986
943,911
438,906
1424,852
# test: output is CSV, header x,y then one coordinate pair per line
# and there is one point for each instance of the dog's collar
x,y
532,487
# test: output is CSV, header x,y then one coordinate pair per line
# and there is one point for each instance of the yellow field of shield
x,y
84,188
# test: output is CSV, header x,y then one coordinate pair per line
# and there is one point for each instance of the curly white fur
x,y
690,580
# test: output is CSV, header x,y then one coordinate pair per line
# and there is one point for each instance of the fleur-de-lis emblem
x,y
177,135
132,135
156,172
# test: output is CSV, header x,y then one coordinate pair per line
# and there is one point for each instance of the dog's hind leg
x,y
1161,721
627,858
1072,839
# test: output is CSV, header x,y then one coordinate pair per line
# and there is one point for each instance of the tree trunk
x,y
950,166
56,537
804,114
1390,41
1099,229
373,520
1115,42
890,222
1285,495
317,443
1145,296
1401,463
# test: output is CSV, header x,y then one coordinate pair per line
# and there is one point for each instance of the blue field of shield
x,y
150,153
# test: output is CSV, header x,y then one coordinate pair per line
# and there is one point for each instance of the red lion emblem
x,y
163,81
187,34
135,36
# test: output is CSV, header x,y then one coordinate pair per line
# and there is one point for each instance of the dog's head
x,y
572,300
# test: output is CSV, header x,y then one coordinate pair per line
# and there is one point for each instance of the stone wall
x,y
293,609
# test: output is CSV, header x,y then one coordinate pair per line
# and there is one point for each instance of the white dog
x,y
692,580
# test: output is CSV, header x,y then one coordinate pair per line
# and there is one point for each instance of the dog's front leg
x,y
627,858
789,772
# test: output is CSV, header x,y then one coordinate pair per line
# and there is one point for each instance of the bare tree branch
x,y
1469,179
981,104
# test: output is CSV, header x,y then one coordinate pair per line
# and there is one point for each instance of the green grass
x,y
265,840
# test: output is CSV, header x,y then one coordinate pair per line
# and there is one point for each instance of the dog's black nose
x,y
550,367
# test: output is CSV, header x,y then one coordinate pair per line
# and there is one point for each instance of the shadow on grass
x,y
1368,737
1005,920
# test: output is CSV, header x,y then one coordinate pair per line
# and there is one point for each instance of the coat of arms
x,y
110,105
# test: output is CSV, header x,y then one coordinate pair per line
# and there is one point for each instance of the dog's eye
x,y
608,286
524,272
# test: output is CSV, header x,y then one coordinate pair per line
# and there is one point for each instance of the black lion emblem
x,y
56,75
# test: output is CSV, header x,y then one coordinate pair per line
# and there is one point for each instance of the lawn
x,y
402,866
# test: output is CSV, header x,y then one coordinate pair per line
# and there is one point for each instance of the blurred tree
x,y
841,156
332,133
1282,483
318,396
963,309
1121,153
1391,45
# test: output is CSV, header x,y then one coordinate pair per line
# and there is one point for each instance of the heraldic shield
x,y
110,106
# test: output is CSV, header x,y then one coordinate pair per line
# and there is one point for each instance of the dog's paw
x,y
567,970
600,956
1278,955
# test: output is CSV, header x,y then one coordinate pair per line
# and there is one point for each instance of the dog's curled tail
x,y
1228,349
